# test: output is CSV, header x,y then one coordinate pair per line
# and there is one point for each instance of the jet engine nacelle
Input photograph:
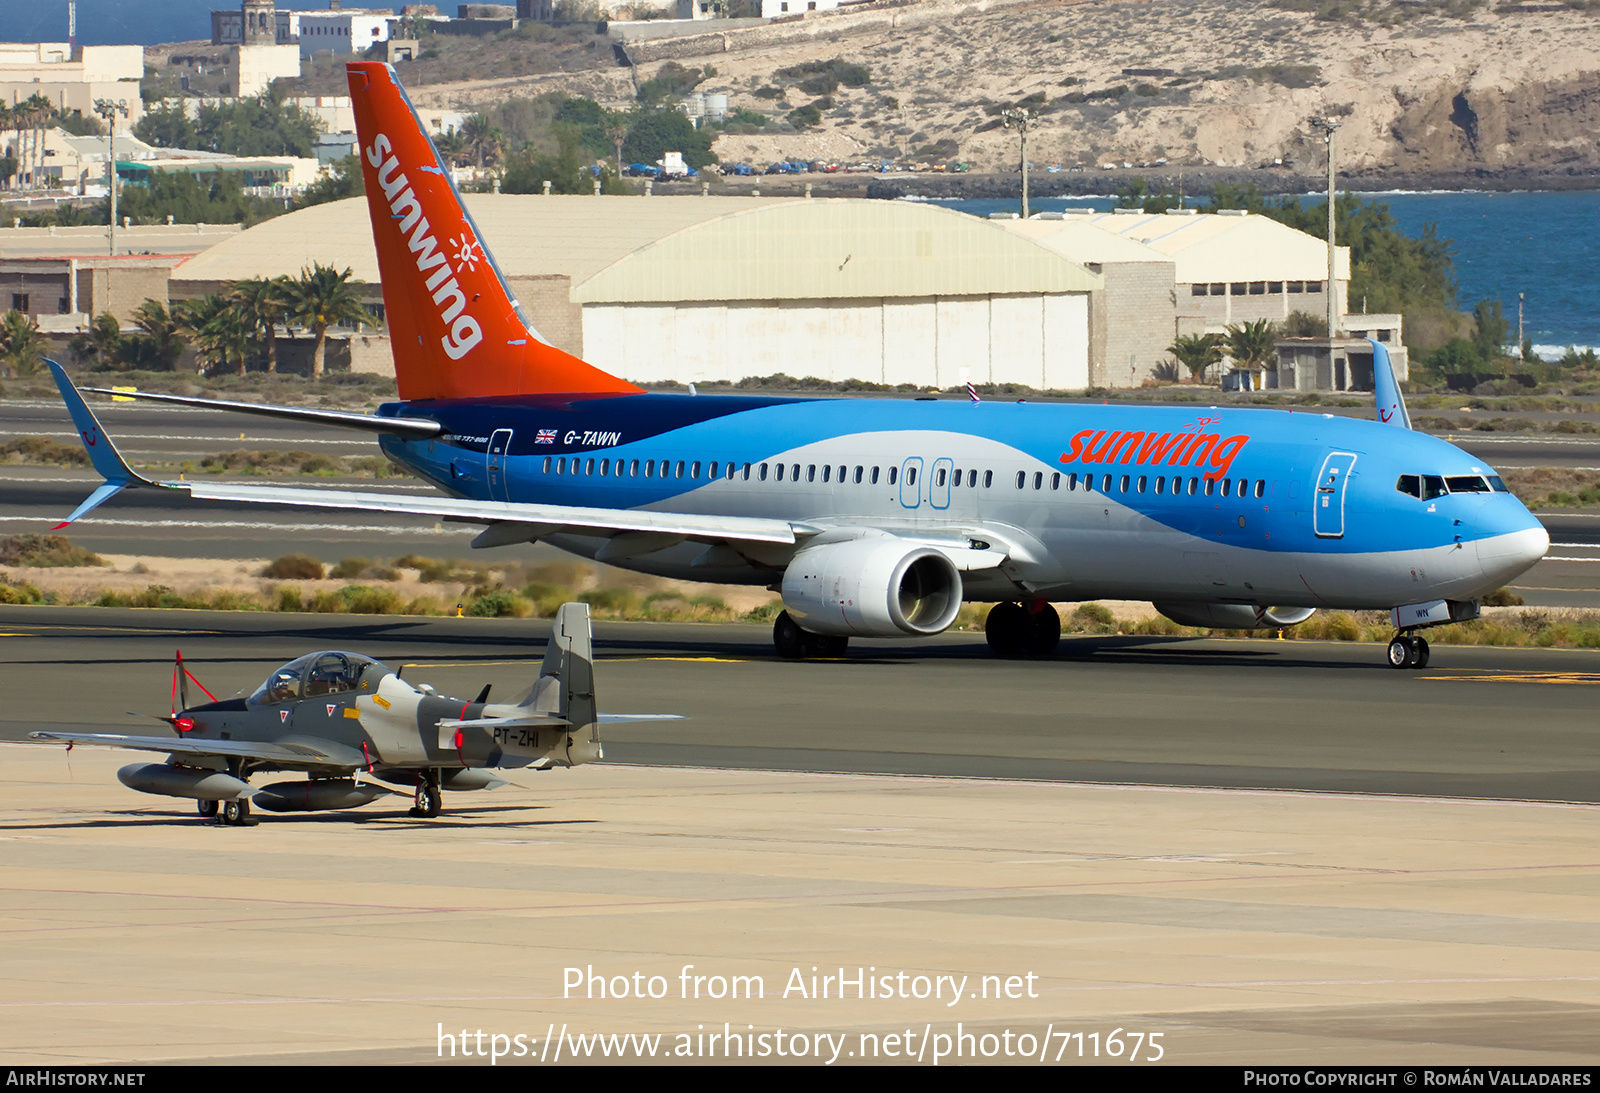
x,y
876,587
1233,616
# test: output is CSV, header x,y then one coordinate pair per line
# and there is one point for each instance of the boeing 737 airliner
x,y
878,518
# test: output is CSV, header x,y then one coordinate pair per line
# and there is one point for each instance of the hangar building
x,y
698,289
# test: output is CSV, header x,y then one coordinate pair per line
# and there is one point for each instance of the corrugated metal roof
x,y
835,249
1211,247
1080,241
636,249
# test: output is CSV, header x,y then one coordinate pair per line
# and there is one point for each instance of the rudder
x,y
456,329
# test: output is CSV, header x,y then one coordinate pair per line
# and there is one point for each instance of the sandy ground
x,y
1241,927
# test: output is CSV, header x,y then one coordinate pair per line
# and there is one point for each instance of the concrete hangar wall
x,y
720,288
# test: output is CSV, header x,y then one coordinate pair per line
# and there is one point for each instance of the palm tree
x,y
21,345
322,298
102,342
263,303
218,332
159,348
482,139
452,146
1197,352
1251,345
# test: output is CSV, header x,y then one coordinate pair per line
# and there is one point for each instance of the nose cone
x,y
1506,554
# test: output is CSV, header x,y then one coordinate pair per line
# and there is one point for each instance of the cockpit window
x,y
1497,485
314,674
1467,483
1410,484
335,673
1432,486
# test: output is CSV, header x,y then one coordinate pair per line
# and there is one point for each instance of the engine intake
x,y
876,587
1233,616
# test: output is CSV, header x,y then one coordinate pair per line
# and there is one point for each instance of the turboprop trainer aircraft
x,y
351,724
878,517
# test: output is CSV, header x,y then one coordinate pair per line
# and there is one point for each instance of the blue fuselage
x,y
1092,501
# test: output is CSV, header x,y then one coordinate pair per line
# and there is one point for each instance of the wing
x,y
300,753
508,523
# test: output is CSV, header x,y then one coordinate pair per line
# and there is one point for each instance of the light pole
x,y
109,110
1327,126
1017,117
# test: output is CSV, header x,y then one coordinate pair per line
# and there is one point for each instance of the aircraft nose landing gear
x,y
1408,651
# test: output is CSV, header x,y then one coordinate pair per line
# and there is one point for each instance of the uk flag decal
x,y
545,436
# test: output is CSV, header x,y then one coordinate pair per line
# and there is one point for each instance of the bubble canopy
x,y
329,672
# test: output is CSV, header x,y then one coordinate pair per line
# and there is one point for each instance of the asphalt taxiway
x,y
1418,886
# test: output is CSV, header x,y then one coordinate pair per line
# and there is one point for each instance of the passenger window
x,y
1161,485
1105,484
874,476
859,472
1261,487
988,479
911,476
1038,480
972,479
1432,486
938,479
1022,476
1211,485
894,472
794,472
561,466
649,467
1194,486
680,468
1177,486
747,472
1227,487
777,472
633,469
841,474
605,467
546,464
1055,480
811,472
694,470
1122,486
762,474
588,468
1072,481
827,472
1141,483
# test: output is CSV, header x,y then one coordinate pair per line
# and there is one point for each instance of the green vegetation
x,y
1197,352
344,179
43,451
21,344
825,77
265,126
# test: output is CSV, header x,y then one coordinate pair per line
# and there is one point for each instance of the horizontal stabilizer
x,y
422,428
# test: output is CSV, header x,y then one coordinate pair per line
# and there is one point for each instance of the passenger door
x,y
1328,500
499,449
911,482
939,484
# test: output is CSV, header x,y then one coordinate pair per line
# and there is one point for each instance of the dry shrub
x,y
294,567
45,551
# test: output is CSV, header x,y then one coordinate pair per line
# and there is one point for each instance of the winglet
x,y
1391,403
102,451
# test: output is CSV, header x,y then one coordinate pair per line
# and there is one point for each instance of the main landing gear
x,y
235,813
428,801
1408,651
1017,631
793,643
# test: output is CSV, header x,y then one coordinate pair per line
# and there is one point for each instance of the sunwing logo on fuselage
x,y
448,297
1191,446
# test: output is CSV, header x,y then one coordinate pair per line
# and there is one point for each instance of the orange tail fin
x,y
456,330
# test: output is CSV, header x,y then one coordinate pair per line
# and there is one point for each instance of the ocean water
x,y
1544,245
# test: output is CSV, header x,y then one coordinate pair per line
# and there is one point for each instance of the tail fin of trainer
x,y
456,330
